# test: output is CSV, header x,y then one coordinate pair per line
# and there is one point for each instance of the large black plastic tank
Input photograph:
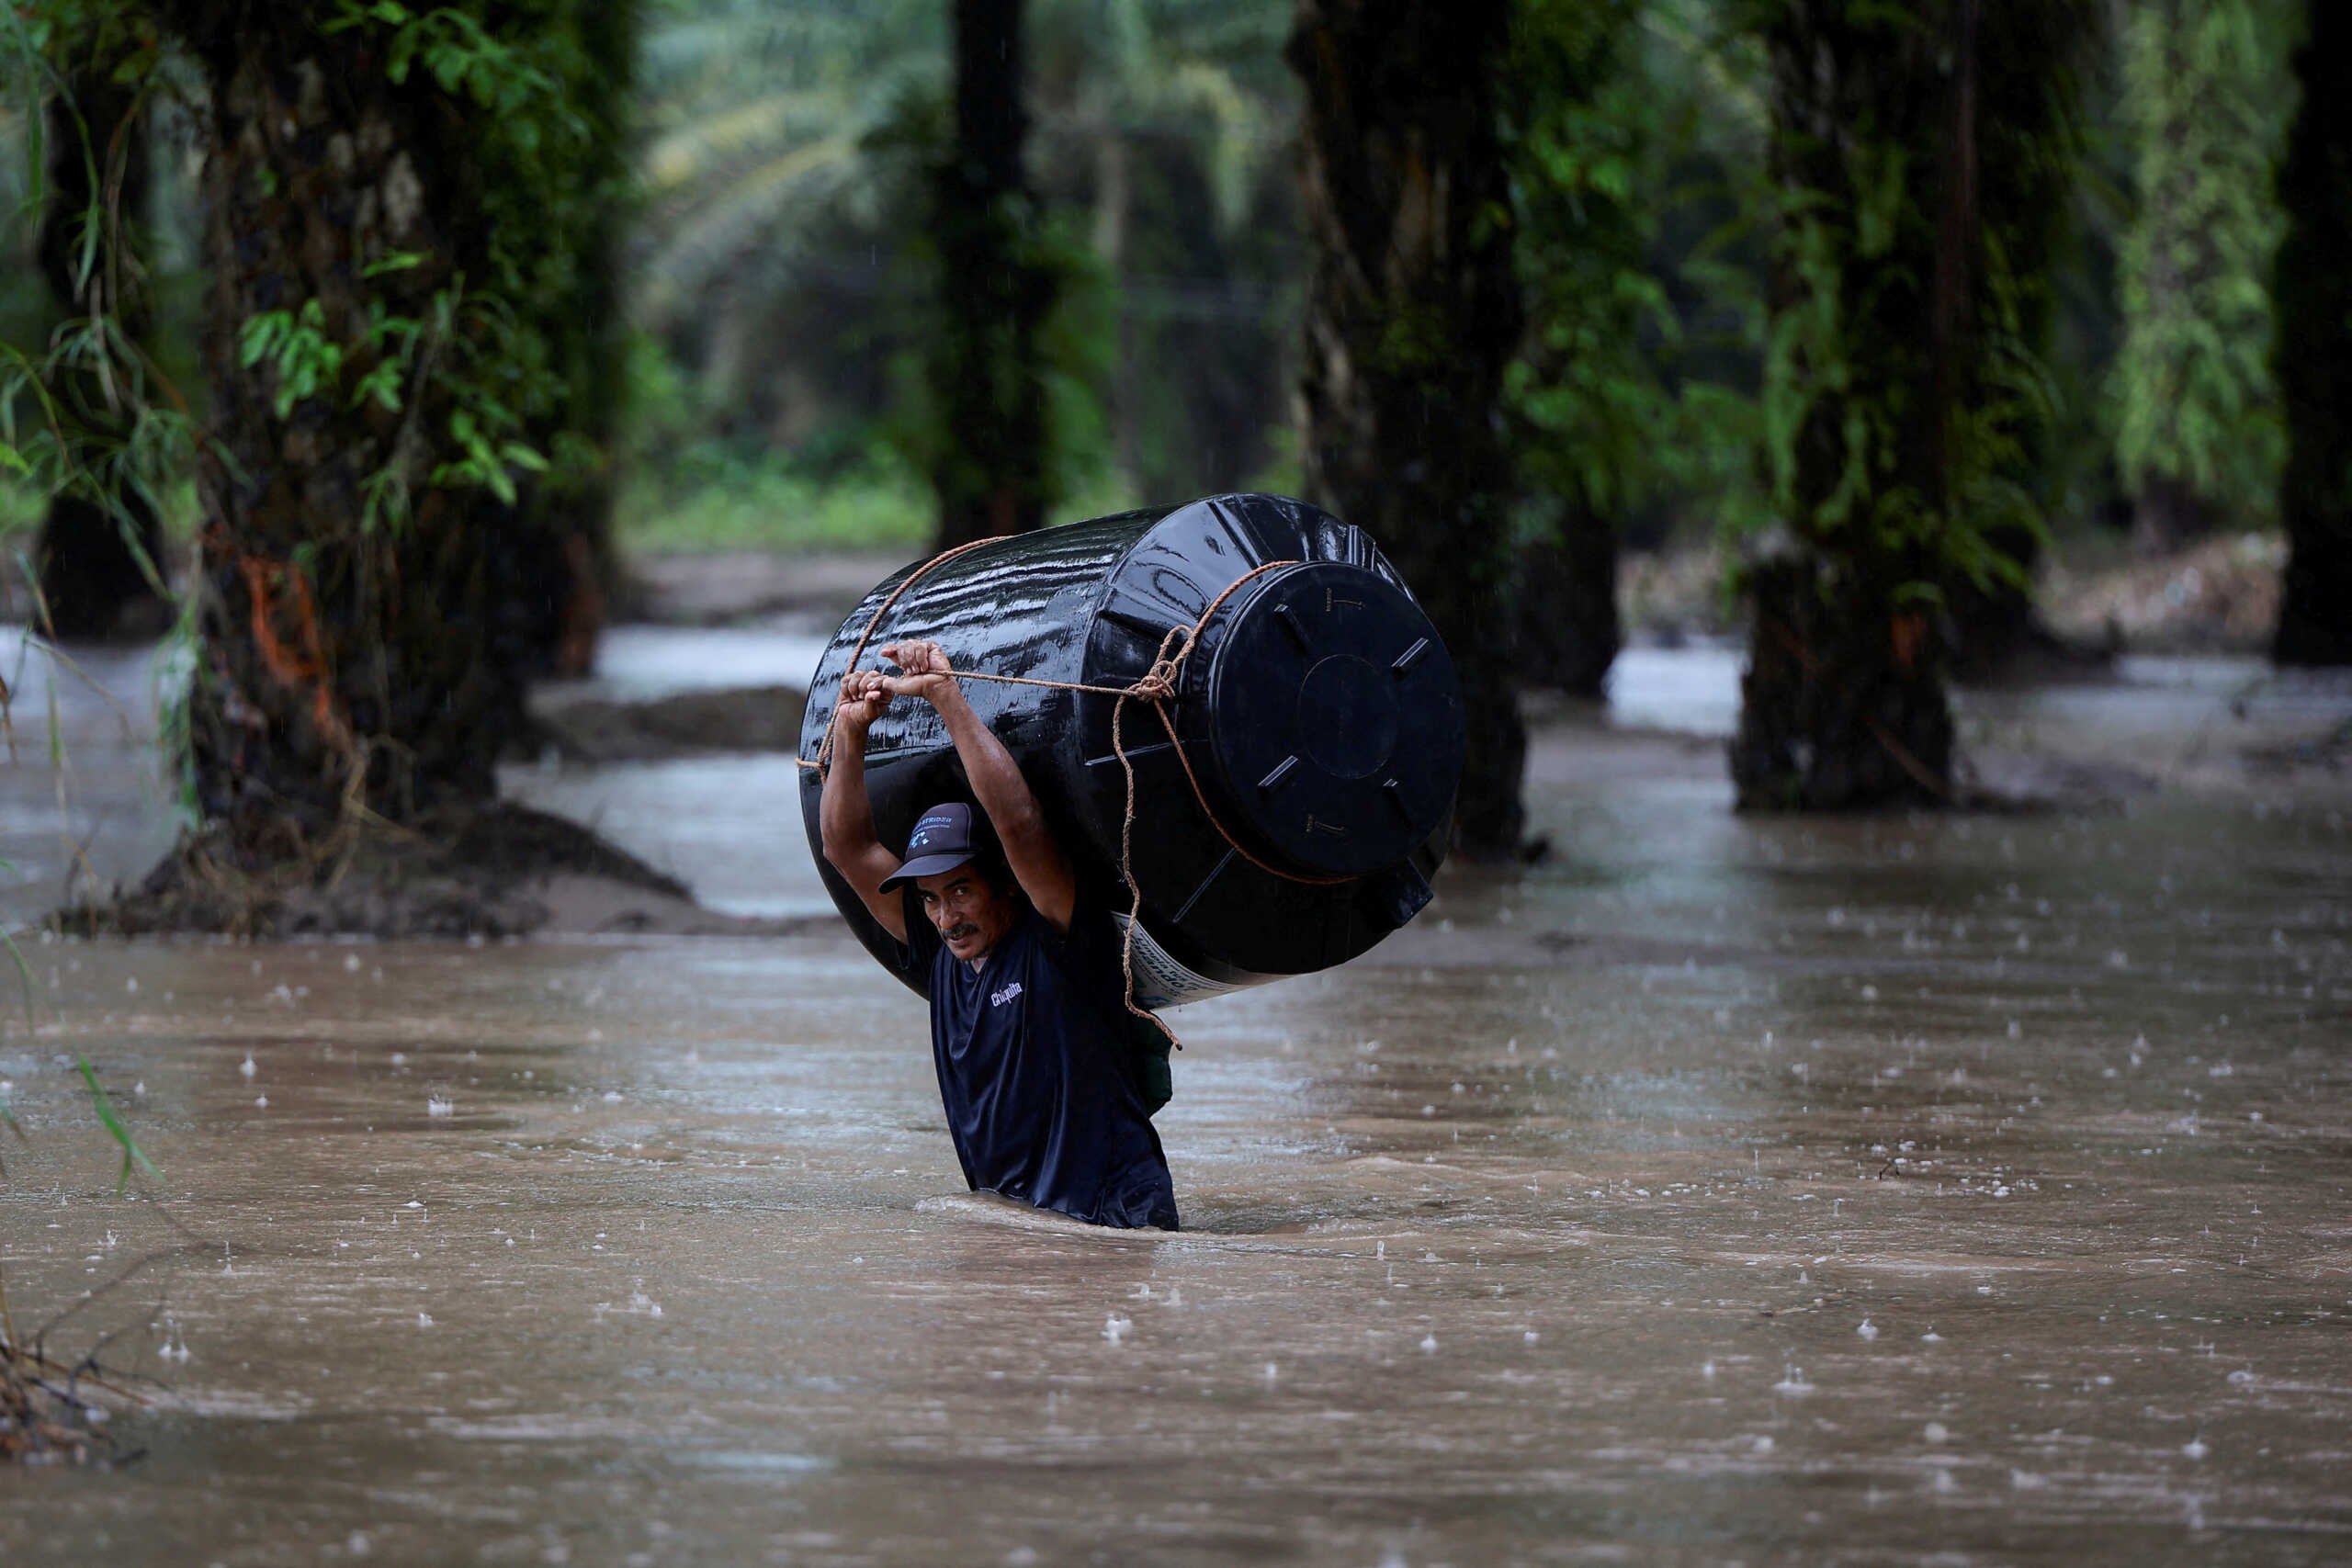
x,y
1319,711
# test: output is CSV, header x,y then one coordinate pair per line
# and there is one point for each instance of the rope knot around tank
x,y
1157,684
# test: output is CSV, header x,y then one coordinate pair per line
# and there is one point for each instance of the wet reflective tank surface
x,y
1296,784
1723,1191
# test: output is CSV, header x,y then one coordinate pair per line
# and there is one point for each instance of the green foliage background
x,y
2207,95
784,288
758,160
1634,133
535,390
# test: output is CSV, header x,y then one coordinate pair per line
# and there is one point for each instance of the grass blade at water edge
x,y
131,1149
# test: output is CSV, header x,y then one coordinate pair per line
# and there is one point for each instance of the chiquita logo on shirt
x,y
998,998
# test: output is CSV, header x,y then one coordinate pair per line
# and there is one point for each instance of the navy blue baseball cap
x,y
942,840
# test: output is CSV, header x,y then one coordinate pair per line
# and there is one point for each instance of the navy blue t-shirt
x,y
1035,1069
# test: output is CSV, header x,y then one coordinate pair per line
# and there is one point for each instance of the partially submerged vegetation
x,y
49,1409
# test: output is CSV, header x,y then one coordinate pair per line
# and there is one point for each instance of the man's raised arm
x,y
844,811
1029,847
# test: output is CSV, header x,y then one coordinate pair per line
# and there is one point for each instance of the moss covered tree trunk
x,y
990,470
99,557
344,660
2313,299
1843,703
1412,314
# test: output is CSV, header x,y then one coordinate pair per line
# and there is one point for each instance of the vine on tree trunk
x,y
403,452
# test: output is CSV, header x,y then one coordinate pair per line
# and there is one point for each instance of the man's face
x,y
970,915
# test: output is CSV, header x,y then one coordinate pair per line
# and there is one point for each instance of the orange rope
x,y
1135,889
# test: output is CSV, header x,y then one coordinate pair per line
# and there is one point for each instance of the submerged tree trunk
x,y
391,252
99,557
1843,705
2313,294
346,660
1412,315
991,472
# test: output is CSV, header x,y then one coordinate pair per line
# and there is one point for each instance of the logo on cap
x,y
943,838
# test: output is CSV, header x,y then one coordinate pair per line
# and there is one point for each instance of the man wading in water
x,y
1027,996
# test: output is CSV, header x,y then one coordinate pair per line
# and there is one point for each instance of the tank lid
x,y
1335,720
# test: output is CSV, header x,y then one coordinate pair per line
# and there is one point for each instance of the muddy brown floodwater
x,y
1725,1191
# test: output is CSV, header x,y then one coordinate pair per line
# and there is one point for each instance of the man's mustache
x,y
959,932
